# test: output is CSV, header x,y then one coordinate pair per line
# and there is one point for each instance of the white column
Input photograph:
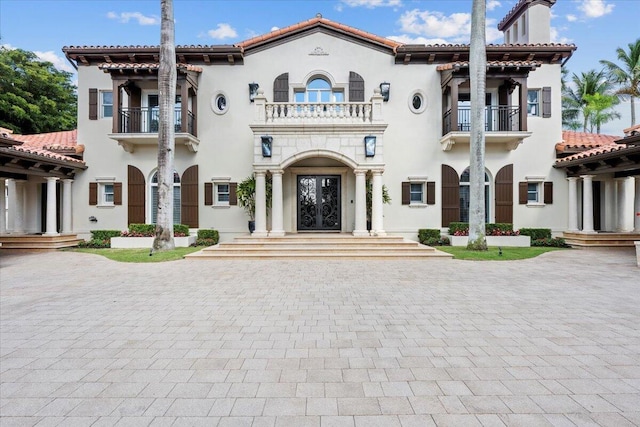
x,y
610,203
16,206
377,227
587,203
636,214
573,204
361,203
52,207
261,205
277,206
625,204
3,207
66,205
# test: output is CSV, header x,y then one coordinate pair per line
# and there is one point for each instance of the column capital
x,y
360,171
276,171
377,172
52,178
69,180
572,178
260,172
587,177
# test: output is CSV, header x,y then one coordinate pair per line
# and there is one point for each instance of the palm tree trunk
x,y
633,111
477,74
166,131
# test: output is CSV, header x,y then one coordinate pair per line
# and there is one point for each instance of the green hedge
x,y
181,229
536,233
557,242
209,234
428,233
105,234
95,243
149,230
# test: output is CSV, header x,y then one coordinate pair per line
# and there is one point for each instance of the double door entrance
x,y
318,203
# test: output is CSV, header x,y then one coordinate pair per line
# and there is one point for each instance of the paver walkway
x,y
553,340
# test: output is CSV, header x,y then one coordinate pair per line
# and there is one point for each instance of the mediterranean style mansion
x,y
317,112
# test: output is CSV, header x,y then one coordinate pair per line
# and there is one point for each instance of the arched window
x,y
319,90
176,197
465,195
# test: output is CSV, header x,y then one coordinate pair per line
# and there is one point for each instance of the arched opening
x,y
319,90
153,188
465,195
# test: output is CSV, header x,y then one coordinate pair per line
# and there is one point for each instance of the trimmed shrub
x,y
491,229
95,243
557,242
428,233
439,241
458,227
536,233
209,235
149,230
104,234
180,230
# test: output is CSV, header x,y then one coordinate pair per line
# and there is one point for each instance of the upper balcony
x,y
139,126
503,125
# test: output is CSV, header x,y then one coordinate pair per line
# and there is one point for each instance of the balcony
x,y
139,126
338,112
502,126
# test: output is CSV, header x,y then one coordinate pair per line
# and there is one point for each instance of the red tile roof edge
x,y
609,148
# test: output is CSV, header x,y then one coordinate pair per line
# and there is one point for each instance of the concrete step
x,y
38,241
600,239
320,246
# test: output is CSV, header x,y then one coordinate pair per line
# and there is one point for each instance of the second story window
x,y
319,90
533,102
106,104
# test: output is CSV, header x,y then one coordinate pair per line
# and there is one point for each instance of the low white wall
x,y
147,242
513,241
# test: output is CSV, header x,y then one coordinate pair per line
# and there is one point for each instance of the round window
x,y
417,101
219,103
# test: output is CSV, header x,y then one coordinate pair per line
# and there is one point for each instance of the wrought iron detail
x,y
318,202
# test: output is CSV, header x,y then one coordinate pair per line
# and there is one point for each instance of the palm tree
x,y
587,83
570,114
477,75
600,109
627,76
166,131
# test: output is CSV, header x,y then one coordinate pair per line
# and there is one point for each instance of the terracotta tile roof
x,y
632,130
572,141
490,64
51,145
318,20
144,66
609,148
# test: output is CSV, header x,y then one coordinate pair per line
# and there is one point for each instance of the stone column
x,y
610,203
587,203
16,206
626,204
3,207
636,214
66,206
573,204
377,227
261,205
277,206
52,207
361,203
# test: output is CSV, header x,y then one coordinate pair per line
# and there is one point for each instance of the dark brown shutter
x,y
522,193
189,197
93,193
208,193
281,88
504,194
356,87
135,195
431,192
93,104
548,193
450,196
233,196
546,102
117,193
406,193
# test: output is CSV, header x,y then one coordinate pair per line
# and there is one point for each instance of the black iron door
x,y
318,202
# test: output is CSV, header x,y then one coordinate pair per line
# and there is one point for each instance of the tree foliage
x,y
600,110
35,97
627,75
577,111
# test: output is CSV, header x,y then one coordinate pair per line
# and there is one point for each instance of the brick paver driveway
x,y
549,341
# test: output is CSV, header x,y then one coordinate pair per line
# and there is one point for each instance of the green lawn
x,y
139,255
508,253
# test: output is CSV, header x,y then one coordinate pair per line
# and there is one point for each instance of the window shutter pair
x,y
523,193
93,193
208,194
430,188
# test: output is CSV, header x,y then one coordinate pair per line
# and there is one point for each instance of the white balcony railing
x,y
282,113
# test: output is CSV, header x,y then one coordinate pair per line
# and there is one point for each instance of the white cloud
x,y
406,39
454,28
556,38
572,18
222,31
7,46
125,17
492,4
58,61
370,4
595,8
274,28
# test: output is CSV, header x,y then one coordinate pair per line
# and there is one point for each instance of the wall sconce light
x,y
253,91
370,146
93,219
266,145
384,90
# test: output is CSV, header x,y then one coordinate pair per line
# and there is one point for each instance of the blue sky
x,y
597,27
